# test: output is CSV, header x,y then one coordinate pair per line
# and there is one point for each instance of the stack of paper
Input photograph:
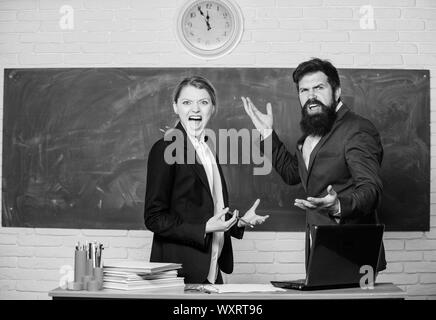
x,y
139,275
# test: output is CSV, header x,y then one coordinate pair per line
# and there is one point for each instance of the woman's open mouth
x,y
195,118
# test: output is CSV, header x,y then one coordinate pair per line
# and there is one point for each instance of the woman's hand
x,y
217,223
251,218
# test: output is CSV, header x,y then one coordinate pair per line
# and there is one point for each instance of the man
x,y
338,157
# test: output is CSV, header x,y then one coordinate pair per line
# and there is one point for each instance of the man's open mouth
x,y
313,105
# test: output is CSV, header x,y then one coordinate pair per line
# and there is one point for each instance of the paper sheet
x,y
238,287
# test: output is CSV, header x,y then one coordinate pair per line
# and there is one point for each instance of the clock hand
x,y
207,21
205,18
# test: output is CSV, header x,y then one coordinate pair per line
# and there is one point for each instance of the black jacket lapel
x,y
301,165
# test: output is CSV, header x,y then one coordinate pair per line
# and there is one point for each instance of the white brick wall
x,y
278,33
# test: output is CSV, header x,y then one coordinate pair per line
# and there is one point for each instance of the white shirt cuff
x,y
337,215
265,133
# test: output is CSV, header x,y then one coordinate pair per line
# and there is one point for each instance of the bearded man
x,y
337,159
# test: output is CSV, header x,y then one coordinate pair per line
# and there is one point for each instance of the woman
x,y
186,203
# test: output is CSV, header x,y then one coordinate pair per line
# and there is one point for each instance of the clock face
x,y
210,28
208,25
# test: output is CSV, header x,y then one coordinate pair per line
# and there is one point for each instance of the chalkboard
x,y
76,141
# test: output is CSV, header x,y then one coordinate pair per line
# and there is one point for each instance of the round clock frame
x,y
210,29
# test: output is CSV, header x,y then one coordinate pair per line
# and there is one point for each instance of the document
x,y
239,287
139,266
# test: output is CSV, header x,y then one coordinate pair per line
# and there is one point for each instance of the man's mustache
x,y
314,101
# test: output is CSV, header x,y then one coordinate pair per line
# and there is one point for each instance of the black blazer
x,y
349,158
178,203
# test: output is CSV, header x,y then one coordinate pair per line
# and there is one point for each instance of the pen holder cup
x,y
86,281
93,285
89,268
75,286
98,276
79,265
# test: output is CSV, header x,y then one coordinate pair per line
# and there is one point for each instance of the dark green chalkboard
x,y
76,141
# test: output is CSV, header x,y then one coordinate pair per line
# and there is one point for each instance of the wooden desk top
x,y
380,291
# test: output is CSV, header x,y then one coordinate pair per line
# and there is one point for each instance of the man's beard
x,y
320,123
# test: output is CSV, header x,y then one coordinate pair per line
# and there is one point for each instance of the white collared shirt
x,y
210,166
203,152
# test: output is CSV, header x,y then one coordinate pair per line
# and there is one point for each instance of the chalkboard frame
x,y
397,101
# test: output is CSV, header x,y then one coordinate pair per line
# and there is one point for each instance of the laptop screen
x,y
340,253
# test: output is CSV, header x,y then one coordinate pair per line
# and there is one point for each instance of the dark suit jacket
x,y
348,158
178,203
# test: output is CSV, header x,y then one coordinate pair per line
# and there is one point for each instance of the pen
x,y
238,218
90,251
246,222
93,254
100,253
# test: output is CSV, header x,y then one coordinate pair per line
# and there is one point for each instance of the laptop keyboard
x,y
294,284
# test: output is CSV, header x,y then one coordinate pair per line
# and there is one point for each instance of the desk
x,y
380,291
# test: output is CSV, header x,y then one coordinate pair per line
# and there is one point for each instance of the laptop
x,y
337,255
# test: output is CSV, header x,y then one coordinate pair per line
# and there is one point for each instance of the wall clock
x,y
209,28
